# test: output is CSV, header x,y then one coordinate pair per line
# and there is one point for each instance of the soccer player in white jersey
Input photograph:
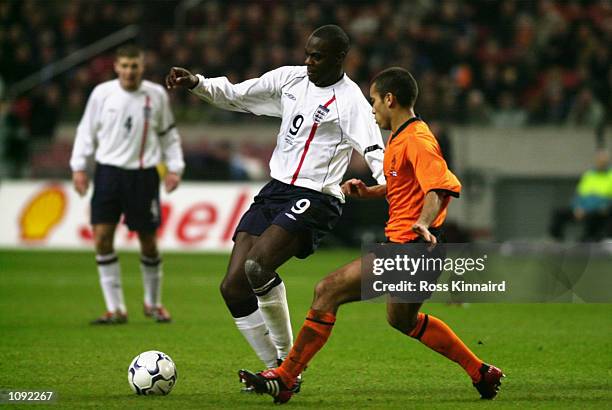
x,y
129,127
324,117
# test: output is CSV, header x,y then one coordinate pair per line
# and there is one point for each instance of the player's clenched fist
x,y
180,77
354,187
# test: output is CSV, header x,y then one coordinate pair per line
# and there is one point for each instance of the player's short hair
x,y
129,51
399,82
335,35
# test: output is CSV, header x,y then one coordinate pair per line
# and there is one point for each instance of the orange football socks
x,y
313,335
436,335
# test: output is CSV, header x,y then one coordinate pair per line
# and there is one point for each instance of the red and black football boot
x,y
160,314
110,318
267,382
490,381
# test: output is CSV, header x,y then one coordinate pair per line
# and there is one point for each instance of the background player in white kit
x,y
130,128
324,117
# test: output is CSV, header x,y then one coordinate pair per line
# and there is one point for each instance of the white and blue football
x,y
152,372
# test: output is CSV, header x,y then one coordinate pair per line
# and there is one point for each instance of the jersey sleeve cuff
x,y
176,169
381,179
77,166
201,79
450,192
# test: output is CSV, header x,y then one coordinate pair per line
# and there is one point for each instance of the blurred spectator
x,y
508,114
442,134
477,111
222,161
14,143
45,113
205,165
585,110
592,204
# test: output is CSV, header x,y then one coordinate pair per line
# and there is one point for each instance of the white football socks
x,y
254,330
110,281
151,269
275,312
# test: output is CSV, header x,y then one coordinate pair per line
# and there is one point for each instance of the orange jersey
x,y
414,166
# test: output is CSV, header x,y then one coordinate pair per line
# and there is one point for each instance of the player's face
x,y
129,70
380,109
323,63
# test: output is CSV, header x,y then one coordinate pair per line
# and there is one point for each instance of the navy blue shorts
x,y
131,192
296,209
418,251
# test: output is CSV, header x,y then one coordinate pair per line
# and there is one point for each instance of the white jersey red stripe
x,y
313,130
145,128
128,129
342,124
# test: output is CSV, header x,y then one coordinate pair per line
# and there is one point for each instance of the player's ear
x,y
389,100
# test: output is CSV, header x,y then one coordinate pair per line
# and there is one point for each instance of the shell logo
x,y
42,213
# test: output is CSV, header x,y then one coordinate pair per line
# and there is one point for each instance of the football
x,y
152,372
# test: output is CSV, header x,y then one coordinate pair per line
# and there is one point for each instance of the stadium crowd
x,y
495,62
498,63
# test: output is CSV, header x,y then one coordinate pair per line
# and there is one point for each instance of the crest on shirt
x,y
392,171
320,114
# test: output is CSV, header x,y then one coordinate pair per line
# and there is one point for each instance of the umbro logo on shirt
x,y
290,96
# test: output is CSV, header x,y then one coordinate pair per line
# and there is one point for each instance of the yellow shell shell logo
x,y
42,213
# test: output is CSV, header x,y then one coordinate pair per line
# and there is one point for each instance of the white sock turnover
x,y
110,281
152,273
254,330
275,312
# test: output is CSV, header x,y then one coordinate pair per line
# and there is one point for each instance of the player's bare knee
x,y
322,290
256,273
404,324
253,269
149,250
325,297
224,288
104,244
231,292
227,291
148,244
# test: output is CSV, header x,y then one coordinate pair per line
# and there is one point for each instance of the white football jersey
x,y
320,125
128,129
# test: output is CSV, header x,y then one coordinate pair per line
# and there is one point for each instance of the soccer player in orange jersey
x,y
418,188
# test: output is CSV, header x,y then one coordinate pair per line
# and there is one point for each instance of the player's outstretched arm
x,y
357,188
180,77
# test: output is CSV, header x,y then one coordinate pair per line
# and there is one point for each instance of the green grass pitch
x,y
555,356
